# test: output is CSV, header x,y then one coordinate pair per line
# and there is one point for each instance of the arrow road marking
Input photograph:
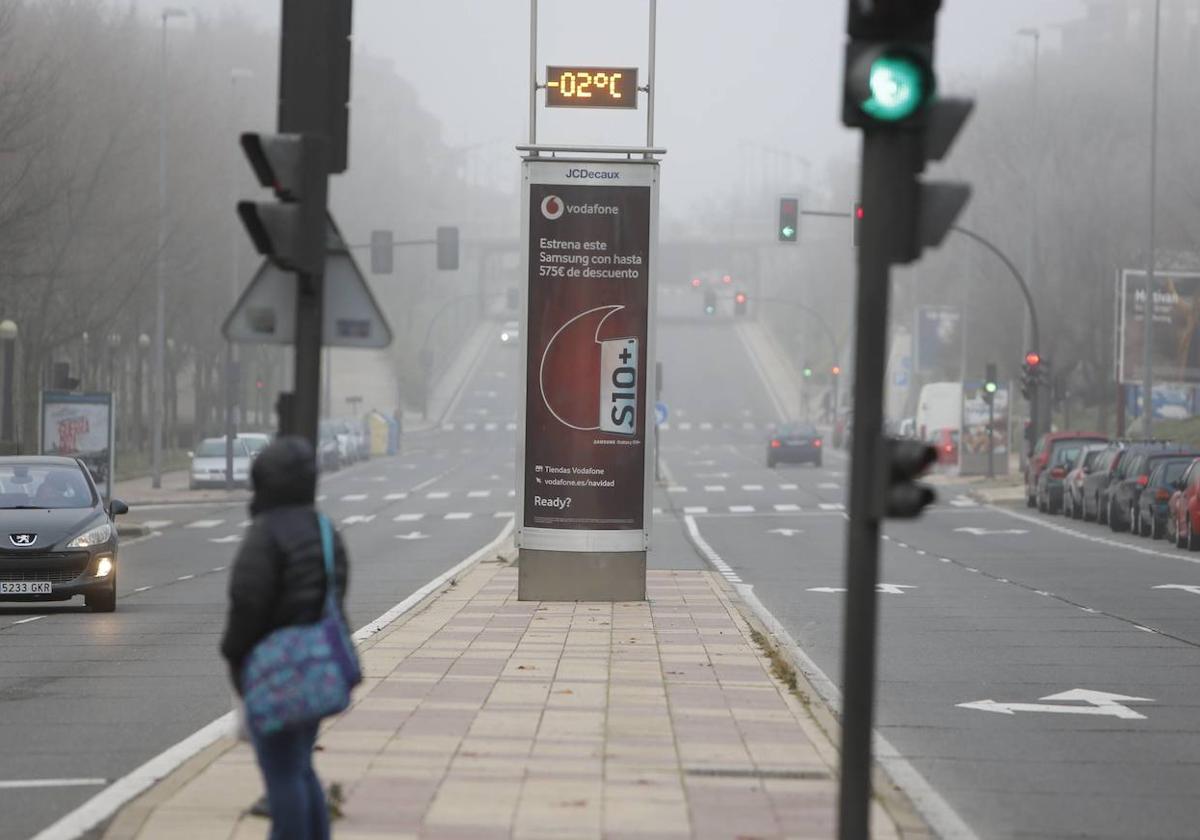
x,y
1098,703
880,588
412,535
984,532
1195,590
786,532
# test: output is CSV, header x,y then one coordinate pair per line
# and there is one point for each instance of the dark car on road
x,y
796,443
1042,453
57,537
1063,458
1153,505
1112,467
1073,483
1135,476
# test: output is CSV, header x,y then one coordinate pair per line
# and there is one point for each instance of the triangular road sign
x,y
266,311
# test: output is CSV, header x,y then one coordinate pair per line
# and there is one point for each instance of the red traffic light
x,y
858,212
1032,359
259,384
695,282
726,279
740,297
836,370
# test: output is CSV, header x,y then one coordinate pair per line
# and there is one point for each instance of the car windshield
x,y
799,430
215,448
35,486
255,444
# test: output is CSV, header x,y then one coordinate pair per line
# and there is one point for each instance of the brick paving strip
x,y
486,717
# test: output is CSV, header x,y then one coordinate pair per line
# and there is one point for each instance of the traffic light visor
x,y
898,85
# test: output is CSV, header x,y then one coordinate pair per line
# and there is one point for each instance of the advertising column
x,y
585,467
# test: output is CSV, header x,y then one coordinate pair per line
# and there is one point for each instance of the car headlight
x,y
99,535
104,567
504,336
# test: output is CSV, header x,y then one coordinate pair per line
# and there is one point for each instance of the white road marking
x,y
205,523
395,497
752,488
984,532
218,568
412,535
502,514
354,497
185,577
1098,703
785,532
787,508
357,519
685,427
1195,590
829,485
714,488
657,511
18,784
245,523
489,427
1071,532
695,509
232,538
469,427
741,509
437,494
157,524
831,506
459,515
964,502
511,493
143,588
706,550
789,487
510,427
409,517
27,620
713,475
321,498
880,588
479,494
675,488
706,427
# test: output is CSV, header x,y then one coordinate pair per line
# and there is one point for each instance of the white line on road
x,y
218,568
1071,532
752,488
205,523
829,485
185,577
714,488
409,517
437,494
395,497
143,588
18,784
675,488
27,620
479,494
832,506
741,509
354,497
707,551
232,538
787,508
157,524
502,514
459,515
789,487
695,509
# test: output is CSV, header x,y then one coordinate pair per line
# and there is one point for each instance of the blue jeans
x,y
298,810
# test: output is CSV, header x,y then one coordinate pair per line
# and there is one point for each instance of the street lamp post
x,y
160,297
8,335
143,344
232,389
1148,306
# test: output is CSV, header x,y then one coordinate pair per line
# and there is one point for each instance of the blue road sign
x,y
660,413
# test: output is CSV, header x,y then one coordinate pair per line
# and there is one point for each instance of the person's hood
x,y
283,475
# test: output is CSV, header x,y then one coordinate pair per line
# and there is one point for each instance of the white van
x,y
939,407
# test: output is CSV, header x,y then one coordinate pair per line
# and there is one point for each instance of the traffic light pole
x,y
889,189
306,406
991,438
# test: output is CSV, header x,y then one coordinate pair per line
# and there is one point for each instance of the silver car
x,y
208,464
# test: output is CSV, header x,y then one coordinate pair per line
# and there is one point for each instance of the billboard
x,y
80,426
938,340
584,460
973,447
1176,350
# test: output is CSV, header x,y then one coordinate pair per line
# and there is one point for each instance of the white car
x,y
255,441
510,334
208,464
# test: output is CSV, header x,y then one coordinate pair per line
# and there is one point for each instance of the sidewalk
x,y
485,717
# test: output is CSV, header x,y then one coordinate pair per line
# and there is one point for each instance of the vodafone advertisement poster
x,y
588,355
80,426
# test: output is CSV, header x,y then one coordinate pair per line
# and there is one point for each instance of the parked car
x,y
795,442
61,537
208,464
1184,522
1153,506
1135,475
255,441
1073,483
1042,454
1049,493
946,443
329,455
510,334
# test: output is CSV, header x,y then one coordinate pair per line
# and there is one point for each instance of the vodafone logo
x,y
553,207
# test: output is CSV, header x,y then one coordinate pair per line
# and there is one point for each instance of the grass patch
x,y
1184,431
781,669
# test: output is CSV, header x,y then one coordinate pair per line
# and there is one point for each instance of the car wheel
x,y
1030,501
1087,514
1155,532
1135,524
1173,532
1038,503
1101,511
103,602
1190,541
1114,517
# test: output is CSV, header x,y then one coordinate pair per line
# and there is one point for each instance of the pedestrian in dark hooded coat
x,y
278,580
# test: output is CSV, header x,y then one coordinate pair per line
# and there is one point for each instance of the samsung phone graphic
x,y
617,406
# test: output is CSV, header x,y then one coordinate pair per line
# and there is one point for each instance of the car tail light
x,y
775,444
1143,480
1162,496
1058,472
949,448
817,443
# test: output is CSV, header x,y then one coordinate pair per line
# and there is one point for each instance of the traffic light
x,y
907,461
808,371
695,282
856,217
789,219
710,302
292,165
1030,374
836,370
990,386
726,279
890,91
739,303
382,252
447,249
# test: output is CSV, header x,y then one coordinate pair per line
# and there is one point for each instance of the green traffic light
x,y
898,87
788,232
710,309
807,372
990,387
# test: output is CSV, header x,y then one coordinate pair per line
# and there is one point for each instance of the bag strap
x,y
327,551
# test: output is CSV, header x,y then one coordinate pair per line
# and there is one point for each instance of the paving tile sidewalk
x,y
486,717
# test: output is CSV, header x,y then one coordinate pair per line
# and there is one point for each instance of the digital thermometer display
x,y
591,87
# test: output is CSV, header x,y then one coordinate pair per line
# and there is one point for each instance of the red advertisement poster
x,y
586,365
